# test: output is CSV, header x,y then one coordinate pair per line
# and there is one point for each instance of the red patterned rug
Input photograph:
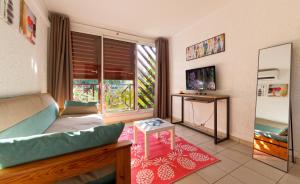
x,y
164,165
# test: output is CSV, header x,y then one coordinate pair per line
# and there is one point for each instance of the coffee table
x,y
147,128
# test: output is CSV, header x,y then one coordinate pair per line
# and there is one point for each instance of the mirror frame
x,y
290,147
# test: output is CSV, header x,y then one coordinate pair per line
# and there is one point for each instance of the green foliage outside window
x,y
119,95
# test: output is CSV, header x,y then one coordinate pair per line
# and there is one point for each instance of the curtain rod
x,y
117,32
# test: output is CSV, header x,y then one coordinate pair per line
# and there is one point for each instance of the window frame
x,y
116,36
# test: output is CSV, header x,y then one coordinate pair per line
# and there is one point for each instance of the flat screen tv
x,y
201,78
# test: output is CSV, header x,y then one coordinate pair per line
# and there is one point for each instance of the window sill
x,y
132,112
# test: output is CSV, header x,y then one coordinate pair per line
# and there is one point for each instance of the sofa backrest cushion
x,y
26,115
76,107
27,149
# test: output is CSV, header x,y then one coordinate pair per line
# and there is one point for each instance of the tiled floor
x,y
236,165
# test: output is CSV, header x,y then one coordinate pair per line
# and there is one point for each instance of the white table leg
x,y
146,139
172,137
135,133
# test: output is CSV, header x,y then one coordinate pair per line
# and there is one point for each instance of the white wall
x,y
249,26
22,64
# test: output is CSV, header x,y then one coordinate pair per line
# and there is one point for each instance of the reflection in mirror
x,y
272,121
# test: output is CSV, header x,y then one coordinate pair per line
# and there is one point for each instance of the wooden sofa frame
x,y
62,167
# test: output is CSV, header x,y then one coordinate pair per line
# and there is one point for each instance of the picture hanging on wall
x,y
27,22
205,48
7,11
278,90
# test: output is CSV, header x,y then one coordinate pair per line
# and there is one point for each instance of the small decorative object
x,y
205,48
7,11
278,90
155,122
27,22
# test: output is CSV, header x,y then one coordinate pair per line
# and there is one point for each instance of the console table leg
x,y
171,109
182,109
228,117
216,121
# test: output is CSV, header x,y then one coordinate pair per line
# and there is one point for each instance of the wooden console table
x,y
204,99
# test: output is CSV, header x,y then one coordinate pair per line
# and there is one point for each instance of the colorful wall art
x,y
278,90
205,48
27,22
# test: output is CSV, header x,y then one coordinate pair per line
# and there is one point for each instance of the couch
x,y
35,118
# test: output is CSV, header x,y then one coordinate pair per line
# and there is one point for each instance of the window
x,y
119,75
86,55
146,66
128,71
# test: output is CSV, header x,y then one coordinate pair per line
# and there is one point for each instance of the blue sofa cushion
x,y
21,150
272,135
76,107
36,124
69,103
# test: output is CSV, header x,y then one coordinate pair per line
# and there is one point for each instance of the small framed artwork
x,y
7,11
205,48
27,22
278,90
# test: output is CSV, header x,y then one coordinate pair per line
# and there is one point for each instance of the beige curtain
x,y
59,59
162,100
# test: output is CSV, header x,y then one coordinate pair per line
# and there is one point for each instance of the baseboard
x,y
297,159
242,141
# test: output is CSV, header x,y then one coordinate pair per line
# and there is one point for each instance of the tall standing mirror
x,y
272,134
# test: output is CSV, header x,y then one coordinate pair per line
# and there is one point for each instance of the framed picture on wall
x,y
278,90
27,22
7,11
205,48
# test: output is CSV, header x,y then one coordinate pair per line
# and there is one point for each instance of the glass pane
x,y
85,90
119,95
271,129
146,67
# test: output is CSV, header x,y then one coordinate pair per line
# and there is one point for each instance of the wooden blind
x,y
119,60
86,56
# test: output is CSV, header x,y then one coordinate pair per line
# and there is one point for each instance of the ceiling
x,y
149,18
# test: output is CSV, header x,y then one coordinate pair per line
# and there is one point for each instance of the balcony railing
x,y
86,92
119,97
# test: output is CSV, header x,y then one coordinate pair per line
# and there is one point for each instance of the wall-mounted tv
x,y
201,78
